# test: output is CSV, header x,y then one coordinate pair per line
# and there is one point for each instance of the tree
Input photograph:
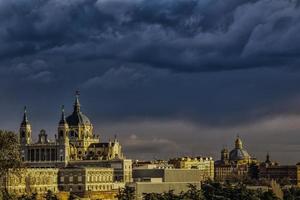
x,y
193,193
50,195
269,195
151,196
127,193
10,160
4,195
28,197
72,197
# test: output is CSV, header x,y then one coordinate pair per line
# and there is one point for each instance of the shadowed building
x,y
284,174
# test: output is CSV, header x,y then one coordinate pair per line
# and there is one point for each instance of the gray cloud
x,y
187,35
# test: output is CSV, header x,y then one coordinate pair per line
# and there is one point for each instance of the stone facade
x,y
31,180
205,164
83,179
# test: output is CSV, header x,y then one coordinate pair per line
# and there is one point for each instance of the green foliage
x,y
28,197
193,193
292,193
50,196
127,193
214,191
9,152
4,195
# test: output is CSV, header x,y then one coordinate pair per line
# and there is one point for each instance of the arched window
x,y
61,134
23,134
73,134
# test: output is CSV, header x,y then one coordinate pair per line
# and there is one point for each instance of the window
x,y
71,178
23,134
61,134
62,179
79,178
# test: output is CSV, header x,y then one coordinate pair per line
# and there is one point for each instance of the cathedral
x,y
74,141
76,161
234,163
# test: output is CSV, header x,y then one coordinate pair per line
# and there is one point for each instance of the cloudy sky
x,y
169,77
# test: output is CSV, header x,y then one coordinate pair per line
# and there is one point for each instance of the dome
x,y
77,117
238,154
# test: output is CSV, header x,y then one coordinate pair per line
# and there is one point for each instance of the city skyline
x,y
170,78
227,142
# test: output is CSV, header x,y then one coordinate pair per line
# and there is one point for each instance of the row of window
x,y
89,179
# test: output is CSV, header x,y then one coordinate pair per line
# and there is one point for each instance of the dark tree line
x,y
213,191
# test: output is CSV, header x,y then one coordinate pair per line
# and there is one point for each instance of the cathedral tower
x,y
63,139
63,127
25,130
225,155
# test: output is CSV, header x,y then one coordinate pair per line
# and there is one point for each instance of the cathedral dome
x,y
77,118
238,153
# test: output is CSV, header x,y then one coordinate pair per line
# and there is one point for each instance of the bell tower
x,y
63,139
25,129
63,127
225,155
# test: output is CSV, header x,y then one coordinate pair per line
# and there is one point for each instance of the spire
x,y
63,118
25,118
77,104
268,158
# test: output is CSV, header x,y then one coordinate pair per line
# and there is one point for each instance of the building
x,y
156,164
142,188
79,162
163,180
82,179
75,140
31,180
271,170
205,164
234,164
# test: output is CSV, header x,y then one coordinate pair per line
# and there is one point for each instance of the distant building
x,y
156,164
273,171
163,180
205,164
142,188
235,163
77,160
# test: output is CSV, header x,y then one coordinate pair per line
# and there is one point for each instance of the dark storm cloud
x,y
182,35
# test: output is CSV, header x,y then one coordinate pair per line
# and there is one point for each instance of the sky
x,y
169,77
